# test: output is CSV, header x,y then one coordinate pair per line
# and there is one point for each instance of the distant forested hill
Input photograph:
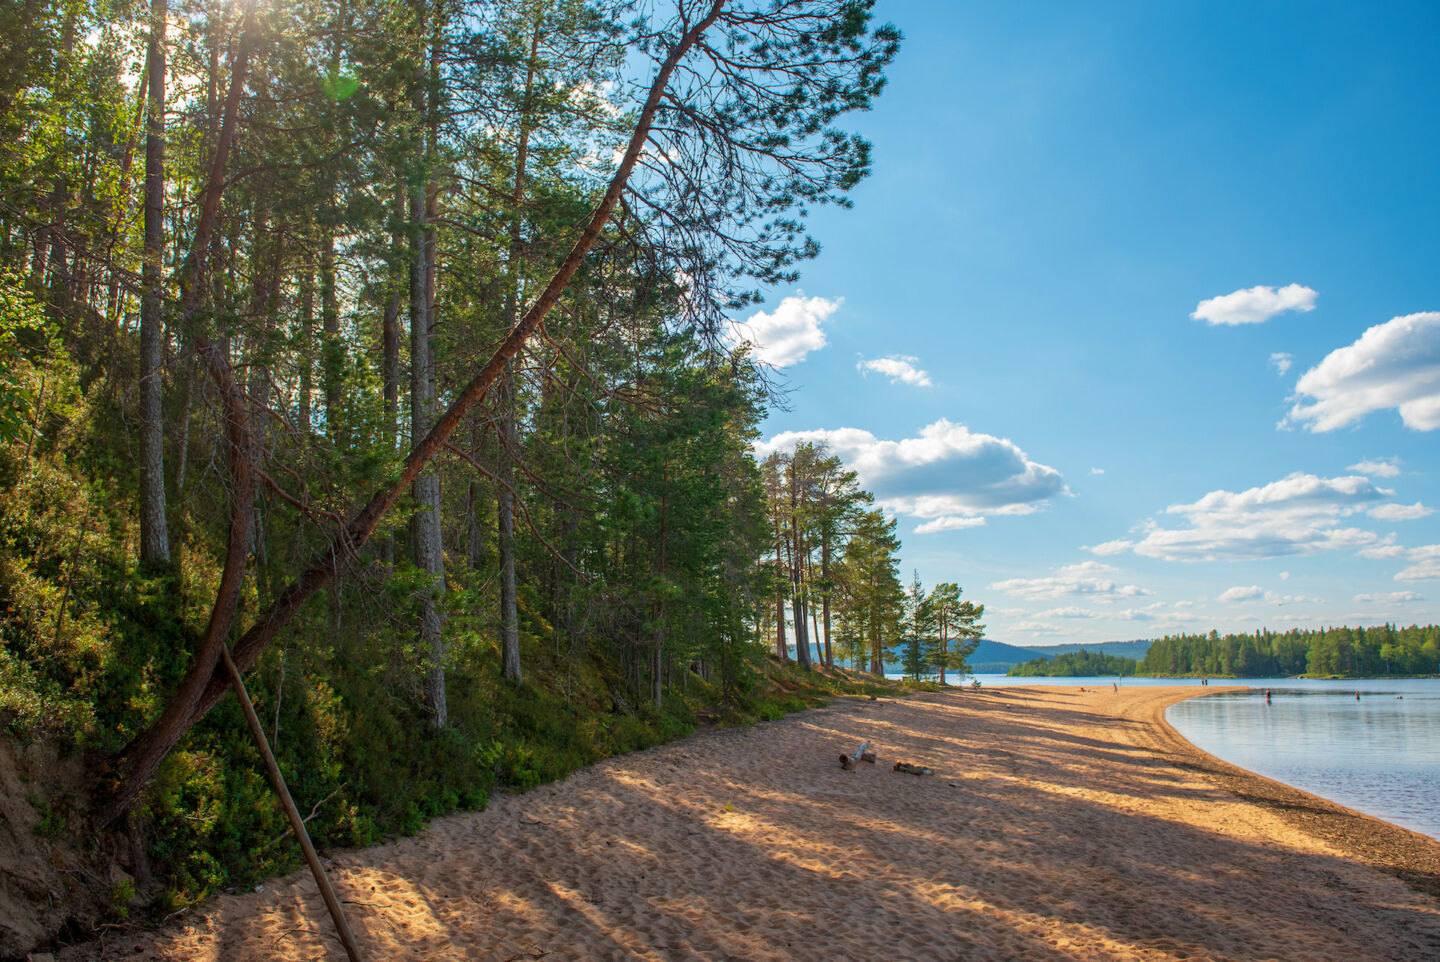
x,y
1076,664
996,657
1345,652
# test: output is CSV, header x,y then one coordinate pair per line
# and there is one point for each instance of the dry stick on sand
x,y
297,824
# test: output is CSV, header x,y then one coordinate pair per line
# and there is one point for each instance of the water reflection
x,y
1379,753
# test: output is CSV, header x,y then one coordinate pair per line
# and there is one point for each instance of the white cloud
x,y
1426,566
1138,614
1086,578
1392,365
1389,598
948,472
1256,593
788,334
1118,546
898,368
950,523
1097,470
1284,576
1400,512
1036,627
1281,362
1382,550
1254,305
1297,515
1379,468
1067,612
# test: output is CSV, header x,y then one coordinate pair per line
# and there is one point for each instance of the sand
x,y
1057,825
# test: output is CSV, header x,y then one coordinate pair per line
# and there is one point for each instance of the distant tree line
x,y
1077,664
1345,652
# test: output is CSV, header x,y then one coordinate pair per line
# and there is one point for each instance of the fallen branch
x,y
910,769
847,762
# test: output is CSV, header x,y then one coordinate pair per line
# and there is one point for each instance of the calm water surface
x,y
1379,754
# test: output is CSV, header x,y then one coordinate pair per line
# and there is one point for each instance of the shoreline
x,y
1057,825
1410,856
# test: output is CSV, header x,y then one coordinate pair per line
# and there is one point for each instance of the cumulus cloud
x,y
898,368
1256,593
1392,365
1070,611
1378,468
1281,362
950,523
1389,598
1297,515
1086,578
1036,627
949,473
1426,565
786,335
1254,305
1400,512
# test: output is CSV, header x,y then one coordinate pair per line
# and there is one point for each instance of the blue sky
x,y
1009,334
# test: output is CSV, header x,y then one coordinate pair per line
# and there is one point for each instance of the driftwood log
x,y
860,754
910,769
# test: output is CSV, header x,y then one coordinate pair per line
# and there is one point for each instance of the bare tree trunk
x,y
781,648
332,352
825,598
510,667
797,556
307,337
425,524
657,655
154,532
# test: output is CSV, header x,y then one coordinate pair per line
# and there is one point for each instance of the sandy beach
x,y
1057,825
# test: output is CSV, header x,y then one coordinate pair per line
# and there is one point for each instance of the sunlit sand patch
x,y
1053,829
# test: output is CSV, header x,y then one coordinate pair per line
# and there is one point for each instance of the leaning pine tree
x,y
732,144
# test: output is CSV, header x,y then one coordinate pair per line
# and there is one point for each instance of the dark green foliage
x,y
640,522
1077,664
1340,652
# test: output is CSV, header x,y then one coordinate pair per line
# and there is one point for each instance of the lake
x,y
1379,755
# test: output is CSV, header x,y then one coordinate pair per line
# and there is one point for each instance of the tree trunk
x,y
425,523
825,598
154,532
307,337
510,667
797,600
780,647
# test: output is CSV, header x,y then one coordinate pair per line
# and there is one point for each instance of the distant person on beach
x,y
1115,686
